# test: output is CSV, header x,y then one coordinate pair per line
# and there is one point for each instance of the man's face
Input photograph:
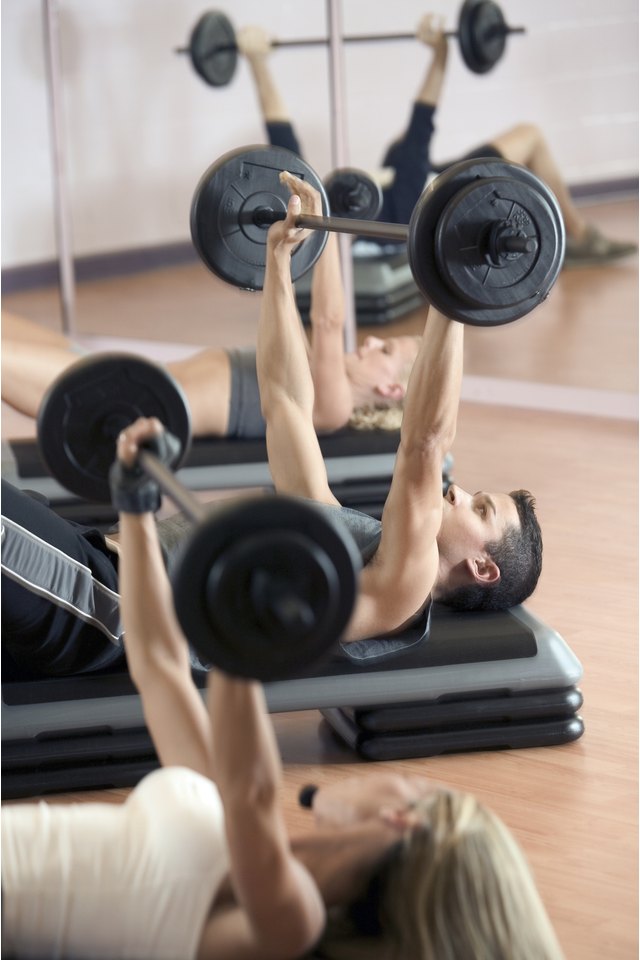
x,y
470,521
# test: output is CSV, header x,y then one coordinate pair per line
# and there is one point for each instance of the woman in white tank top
x,y
198,863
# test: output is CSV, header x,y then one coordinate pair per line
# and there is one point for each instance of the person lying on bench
x,y
198,861
362,389
472,552
406,163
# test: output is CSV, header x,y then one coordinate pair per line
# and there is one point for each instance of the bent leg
x,y
32,358
15,327
526,145
60,600
29,369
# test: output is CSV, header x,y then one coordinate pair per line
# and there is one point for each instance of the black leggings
x,y
281,134
60,600
409,157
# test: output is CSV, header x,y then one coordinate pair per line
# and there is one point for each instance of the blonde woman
x,y
364,388
198,863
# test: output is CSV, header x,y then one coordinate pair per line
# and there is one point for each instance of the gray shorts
x,y
245,417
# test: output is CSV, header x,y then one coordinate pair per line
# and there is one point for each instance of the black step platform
x,y
467,725
473,671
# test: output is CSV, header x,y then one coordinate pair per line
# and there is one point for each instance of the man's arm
x,y
396,584
333,403
284,377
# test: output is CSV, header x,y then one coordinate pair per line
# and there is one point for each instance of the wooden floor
x,y
573,808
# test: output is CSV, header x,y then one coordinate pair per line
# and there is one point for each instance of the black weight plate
x,y
353,193
481,34
279,593
86,407
213,49
426,243
462,243
219,598
224,211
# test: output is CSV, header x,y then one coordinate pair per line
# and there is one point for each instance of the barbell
x,y
485,241
482,33
263,588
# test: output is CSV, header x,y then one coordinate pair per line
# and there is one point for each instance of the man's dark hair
x,y
518,556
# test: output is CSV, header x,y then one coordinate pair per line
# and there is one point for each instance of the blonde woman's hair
x,y
382,416
377,418
456,888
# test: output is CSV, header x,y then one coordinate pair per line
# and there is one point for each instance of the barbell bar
x,y
482,32
485,240
263,588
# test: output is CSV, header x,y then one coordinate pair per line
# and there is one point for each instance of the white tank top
x,y
127,880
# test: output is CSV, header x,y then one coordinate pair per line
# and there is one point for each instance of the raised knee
x,y
529,132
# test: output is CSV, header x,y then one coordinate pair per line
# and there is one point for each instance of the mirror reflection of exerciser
x,y
482,35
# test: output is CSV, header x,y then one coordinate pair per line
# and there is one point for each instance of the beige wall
x,y
141,127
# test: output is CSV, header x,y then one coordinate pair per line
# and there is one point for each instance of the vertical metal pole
x,y
340,158
60,194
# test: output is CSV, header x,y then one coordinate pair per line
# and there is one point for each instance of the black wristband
x,y
306,795
132,490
